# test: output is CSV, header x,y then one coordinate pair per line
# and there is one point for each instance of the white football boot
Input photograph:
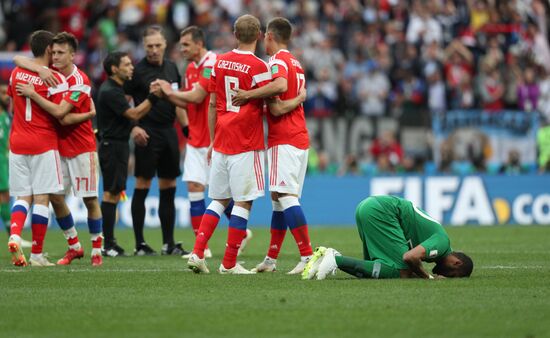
x,y
299,268
39,260
267,265
236,270
198,265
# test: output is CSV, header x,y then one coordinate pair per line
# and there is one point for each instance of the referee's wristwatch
x,y
152,98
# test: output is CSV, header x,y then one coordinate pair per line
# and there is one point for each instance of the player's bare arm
x,y
413,258
278,107
181,99
275,87
57,111
144,107
60,111
212,117
75,118
44,73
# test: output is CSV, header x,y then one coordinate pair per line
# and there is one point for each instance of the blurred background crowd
x,y
399,60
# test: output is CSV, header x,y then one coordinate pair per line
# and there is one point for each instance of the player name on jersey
x,y
230,65
35,80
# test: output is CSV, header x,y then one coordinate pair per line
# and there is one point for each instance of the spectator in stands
x,y
479,14
544,98
386,150
322,95
513,166
446,157
463,95
491,88
437,102
528,91
458,64
511,79
423,28
372,90
350,166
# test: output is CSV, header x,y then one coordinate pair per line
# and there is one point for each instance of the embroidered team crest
x,y
75,96
274,69
206,73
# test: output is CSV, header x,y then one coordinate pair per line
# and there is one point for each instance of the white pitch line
x,y
53,269
504,267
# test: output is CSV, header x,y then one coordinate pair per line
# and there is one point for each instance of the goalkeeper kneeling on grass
x,y
397,237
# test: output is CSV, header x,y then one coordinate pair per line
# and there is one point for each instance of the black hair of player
x,y
113,59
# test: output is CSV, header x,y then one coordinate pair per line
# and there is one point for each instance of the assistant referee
x,y
115,121
157,149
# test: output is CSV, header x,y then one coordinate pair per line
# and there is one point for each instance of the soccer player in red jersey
x,y
288,144
77,147
35,168
194,98
237,145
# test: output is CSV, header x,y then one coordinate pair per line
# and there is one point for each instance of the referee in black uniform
x,y
115,120
157,150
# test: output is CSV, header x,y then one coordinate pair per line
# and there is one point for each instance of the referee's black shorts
x,y
161,155
113,159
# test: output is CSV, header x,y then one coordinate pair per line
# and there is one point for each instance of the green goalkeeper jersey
x,y
418,227
5,123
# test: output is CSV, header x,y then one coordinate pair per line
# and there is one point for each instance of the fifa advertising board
x,y
331,201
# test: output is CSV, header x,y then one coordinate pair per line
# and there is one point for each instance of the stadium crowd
x,y
395,58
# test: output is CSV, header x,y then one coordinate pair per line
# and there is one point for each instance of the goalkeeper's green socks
x,y
365,269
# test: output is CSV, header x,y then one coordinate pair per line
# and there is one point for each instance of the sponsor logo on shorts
x,y
282,184
433,253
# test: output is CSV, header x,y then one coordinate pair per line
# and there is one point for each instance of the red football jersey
x,y
238,129
289,128
77,138
199,74
33,129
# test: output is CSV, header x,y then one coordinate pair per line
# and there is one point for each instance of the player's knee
x,y
195,187
144,183
91,203
244,204
110,197
164,183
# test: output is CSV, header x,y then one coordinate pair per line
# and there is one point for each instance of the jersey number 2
x,y
301,78
231,85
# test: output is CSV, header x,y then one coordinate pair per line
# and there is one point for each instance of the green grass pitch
x,y
507,296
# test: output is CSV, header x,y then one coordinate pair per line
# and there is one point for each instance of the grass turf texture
x,y
507,296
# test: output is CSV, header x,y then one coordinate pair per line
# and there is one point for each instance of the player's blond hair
x,y
247,28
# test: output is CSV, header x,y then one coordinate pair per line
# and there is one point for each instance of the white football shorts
x,y
81,174
35,174
195,165
287,169
239,176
